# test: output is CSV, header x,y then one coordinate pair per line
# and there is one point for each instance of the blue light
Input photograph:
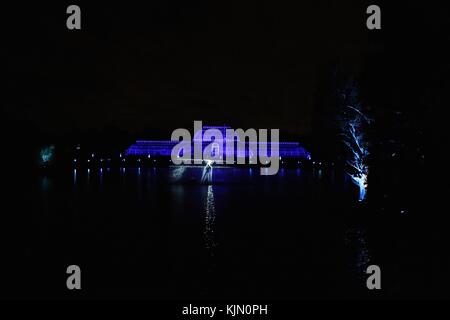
x,y
47,154
207,171
361,182
164,147
178,172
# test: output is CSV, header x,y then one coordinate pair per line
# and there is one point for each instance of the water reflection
x,y
139,185
191,208
210,213
319,174
122,174
207,172
177,173
45,184
356,241
46,188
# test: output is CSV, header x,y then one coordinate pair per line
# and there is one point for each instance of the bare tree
x,y
353,123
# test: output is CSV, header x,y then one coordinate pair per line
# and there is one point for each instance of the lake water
x,y
166,233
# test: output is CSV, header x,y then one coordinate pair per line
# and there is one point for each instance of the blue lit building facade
x,y
163,148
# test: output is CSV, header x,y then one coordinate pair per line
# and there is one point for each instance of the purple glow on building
x,y
163,148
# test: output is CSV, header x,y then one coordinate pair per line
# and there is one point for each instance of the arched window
x,y
215,150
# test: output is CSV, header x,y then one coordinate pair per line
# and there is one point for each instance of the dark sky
x,y
167,64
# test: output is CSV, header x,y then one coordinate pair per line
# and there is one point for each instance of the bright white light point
x,y
209,163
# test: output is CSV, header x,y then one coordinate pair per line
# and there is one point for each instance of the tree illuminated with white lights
x,y
353,124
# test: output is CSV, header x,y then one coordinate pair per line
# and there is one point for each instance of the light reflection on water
x,y
207,173
210,217
177,173
192,207
356,240
319,174
46,184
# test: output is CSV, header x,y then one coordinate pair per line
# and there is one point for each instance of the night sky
x,y
163,65
168,64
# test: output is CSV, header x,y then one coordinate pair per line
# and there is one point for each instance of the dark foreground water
x,y
171,233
